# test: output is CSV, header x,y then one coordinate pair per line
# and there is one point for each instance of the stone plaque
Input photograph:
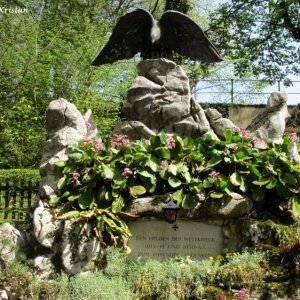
x,y
154,239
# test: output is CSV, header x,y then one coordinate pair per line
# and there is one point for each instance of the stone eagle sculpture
x,y
138,32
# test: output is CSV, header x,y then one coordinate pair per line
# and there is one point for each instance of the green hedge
x,y
20,174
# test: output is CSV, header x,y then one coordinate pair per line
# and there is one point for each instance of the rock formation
x,y
160,100
269,126
220,124
11,241
233,206
61,241
65,126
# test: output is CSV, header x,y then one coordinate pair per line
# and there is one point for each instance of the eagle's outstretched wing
x,y
131,35
184,36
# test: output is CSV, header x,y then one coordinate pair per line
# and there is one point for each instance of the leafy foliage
x,y
183,5
47,54
182,278
100,179
14,175
178,278
94,286
261,37
241,270
123,278
21,129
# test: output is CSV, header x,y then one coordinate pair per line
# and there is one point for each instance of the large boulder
x,y
220,124
12,241
65,125
160,100
61,244
152,206
47,230
44,266
79,247
229,207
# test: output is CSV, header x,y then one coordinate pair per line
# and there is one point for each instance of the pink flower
x,y
86,140
170,142
125,143
294,137
120,139
241,294
75,176
98,146
214,175
163,164
245,134
126,172
147,142
235,147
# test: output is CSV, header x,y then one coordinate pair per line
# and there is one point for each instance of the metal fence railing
x,y
239,91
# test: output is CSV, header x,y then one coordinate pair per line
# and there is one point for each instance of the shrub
x,y
94,286
181,278
241,270
13,175
99,179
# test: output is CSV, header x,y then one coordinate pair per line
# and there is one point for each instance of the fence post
x,y
2,200
6,200
279,85
13,200
231,92
21,201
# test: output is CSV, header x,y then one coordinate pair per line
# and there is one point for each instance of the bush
x,y
181,278
176,279
16,175
94,286
241,270
100,179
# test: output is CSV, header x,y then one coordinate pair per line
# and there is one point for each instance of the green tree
x,y
181,5
260,36
46,54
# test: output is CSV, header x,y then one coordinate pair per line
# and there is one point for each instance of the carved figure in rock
x,y
269,126
138,32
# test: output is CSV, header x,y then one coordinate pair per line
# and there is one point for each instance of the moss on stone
x,y
213,292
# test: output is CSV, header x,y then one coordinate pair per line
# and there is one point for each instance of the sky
x,y
220,91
